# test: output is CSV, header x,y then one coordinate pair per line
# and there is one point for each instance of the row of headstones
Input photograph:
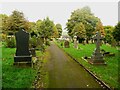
x,y
67,44
75,42
23,53
97,57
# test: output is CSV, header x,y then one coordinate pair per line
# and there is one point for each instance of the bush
x,y
33,42
47,43
10,42
3,37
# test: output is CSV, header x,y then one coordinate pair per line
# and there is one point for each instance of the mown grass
x,y
44,73
0,65
12,76
108,73
42,61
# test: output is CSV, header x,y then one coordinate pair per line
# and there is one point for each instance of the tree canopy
x,y
3,24
108,34
99,27
79,30
46,28
116,32
59,29
15,21
84,16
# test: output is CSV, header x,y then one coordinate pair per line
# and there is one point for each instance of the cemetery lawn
x,y
108,73
14,77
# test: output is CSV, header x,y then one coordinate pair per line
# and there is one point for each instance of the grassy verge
x,y
109,73
42,79
44,73
13,77
0,65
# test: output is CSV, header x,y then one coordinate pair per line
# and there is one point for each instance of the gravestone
x,y
97,57
66,44
22,54
75,42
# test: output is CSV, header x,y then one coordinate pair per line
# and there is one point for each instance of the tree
x,y
89,31
99,27
108,34
116,32
79,31
55,32
46,28
59,28
16,20
85,16
3,23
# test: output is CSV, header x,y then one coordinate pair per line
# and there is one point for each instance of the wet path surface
x,y
66,73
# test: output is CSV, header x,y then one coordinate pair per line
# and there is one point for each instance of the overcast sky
x,y
59,12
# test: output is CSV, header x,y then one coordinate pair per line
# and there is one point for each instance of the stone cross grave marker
x,y
22,47
97,57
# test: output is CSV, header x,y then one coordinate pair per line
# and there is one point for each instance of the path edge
x,y
92,74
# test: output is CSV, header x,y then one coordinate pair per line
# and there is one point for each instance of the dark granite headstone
x,y
66,44
22,47
97,57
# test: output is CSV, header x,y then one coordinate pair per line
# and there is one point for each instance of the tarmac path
x,y
64,72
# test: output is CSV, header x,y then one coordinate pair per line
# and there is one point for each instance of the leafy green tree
x,y
3,23
59,28
99,27
16,20
79,30
116,32
55,32
46,28
108,34
85,16
89,31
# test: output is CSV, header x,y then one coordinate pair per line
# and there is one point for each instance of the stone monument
x,y
22,54
97,57
66,44
75,42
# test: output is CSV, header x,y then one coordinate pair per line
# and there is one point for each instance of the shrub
x,y
47,43
10,42
33,42
3,37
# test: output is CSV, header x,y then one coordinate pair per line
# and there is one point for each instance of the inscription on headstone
x,y
22,47
97,57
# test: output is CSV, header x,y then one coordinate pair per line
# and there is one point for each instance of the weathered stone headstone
x,y
75,42
66,44
97,57
22,47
